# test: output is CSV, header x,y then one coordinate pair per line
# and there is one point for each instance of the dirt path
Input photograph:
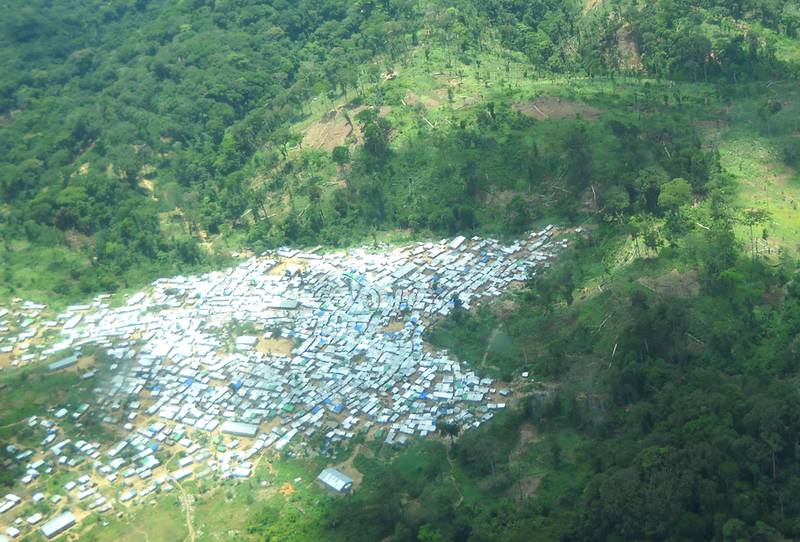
x,y
348,468
453,479
494,333
186,503
143,533
13,424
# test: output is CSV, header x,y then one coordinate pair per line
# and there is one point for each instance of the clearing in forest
x,y
551,107
333,129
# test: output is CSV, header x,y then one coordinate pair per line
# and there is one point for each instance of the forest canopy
x,y
134,132
142,138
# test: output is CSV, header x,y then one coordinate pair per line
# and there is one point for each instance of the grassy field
x,y
28,392
283,502
213,510
751,151
158,520
429,93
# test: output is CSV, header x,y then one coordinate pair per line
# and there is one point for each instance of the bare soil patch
x,y
84,363
330,132
333,130
505,308
348,469
281,267
590,5
629,57
148,185
77,240
551,107
527,435
393,327
525,487
503,198
716,124
5,360
413,98
674,284
275,346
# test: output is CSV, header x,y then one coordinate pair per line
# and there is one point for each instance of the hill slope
x,y
178,117
141,138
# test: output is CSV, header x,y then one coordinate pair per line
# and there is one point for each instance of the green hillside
x,y
189,120
144,138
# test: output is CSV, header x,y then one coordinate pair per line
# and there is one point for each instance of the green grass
x,y
752,152
223,510
786,48
162,522
30,391
33,271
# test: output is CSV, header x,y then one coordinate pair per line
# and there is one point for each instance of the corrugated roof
x,y
58,524
335,479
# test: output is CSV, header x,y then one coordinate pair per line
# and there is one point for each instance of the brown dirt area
x,y
413,99
148,185
330,132
500,197
275,346
527,435
629,57
505,308
348,469
551,107
590,5
77,240
281,266
674,284
333,130
286,489
525,487
717,124
84,363
5,360
393,327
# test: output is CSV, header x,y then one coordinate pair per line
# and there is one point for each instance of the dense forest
x,y
140,138
134,134
676,419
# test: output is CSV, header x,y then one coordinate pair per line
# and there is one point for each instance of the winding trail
x,y
186,502
494,333
143,533
12,424
453,479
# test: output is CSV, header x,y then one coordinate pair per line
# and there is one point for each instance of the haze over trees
x,y
142,138
166,112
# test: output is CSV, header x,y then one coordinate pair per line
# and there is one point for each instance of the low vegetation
x,y
147,138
